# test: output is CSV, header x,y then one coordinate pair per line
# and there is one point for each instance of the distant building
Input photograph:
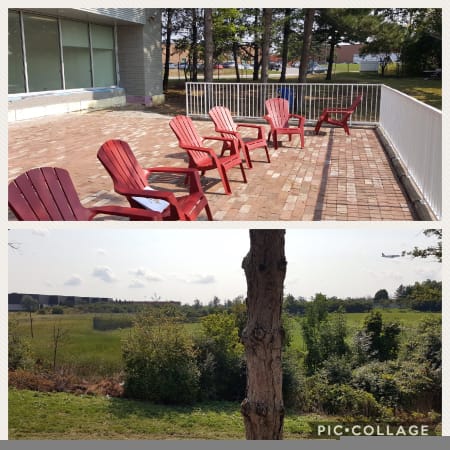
x,y
63,60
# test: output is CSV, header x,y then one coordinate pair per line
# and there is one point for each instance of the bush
x,y
19,350
160,362
220,359
57,310
111,323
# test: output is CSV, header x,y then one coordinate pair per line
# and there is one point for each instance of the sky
x,y
188,264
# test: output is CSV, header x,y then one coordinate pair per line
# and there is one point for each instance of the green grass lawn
x,y
37,415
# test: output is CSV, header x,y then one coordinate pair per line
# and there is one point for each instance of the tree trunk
x,y
209,46
266,41
285,48
194,45
265,270
307,37
169,28
330,61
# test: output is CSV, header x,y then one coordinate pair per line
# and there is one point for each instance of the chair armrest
x,y
260,128
124,211
153,193
269,119
192,174
301,119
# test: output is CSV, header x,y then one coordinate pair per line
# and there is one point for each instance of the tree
x,y
265,270
339,25
307,37
266,41
285,48
209,45
382,294
434,250
31,305
168,19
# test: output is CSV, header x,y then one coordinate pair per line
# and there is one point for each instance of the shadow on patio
x,y
335,177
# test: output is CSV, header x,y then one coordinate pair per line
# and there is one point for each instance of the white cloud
x,y
136,284
74,280
149,275
197,278
104,273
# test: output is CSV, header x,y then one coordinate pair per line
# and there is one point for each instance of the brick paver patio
x,y
335,177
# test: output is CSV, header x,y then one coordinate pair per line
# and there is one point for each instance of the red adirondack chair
x,y
131,180
48,193
338,116
278,117
204,158
225,125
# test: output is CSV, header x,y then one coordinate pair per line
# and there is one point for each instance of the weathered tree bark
x,y
169,28
265,270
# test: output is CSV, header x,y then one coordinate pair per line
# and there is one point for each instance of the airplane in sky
x,y
390,256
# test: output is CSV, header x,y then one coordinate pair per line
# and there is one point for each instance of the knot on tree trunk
x,y
259,408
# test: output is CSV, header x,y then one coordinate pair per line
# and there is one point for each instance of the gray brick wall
x,y
140,57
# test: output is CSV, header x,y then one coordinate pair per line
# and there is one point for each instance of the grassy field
x,y
37,415
89,352
427,91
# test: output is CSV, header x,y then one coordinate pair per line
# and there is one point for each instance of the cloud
x,y
104,273
149,275
74,280
138,284
198,279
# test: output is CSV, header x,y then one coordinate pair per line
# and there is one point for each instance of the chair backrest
x,y
121,164
278,110
45,193
355,103
221,116
185,131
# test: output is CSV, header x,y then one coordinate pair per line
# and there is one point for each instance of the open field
x,y
89,352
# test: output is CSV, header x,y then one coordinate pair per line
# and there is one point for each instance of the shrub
x,y
220,358
57,310
160,362
111,323
19,351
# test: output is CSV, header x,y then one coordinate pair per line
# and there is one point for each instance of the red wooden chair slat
x,y
202,157
225,125
48,193
278,117
131,180
338,116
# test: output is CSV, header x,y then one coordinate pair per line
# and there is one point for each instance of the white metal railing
x,y
246,100
414,129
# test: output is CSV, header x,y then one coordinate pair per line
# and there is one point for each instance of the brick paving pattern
x,y
335,177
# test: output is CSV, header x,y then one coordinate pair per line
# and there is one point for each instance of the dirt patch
x,y
58,382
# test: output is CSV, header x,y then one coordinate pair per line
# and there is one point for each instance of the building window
x,y
42,53
34,54
16,74
76,54
103,55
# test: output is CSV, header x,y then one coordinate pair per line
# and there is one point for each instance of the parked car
x,y
172,66
230,65
316,68
295,64
274,66
218,66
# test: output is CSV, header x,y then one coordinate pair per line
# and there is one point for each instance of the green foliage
x,y
29,303
220,358
323,335
19,349
378,340
57,310
111,323
160,362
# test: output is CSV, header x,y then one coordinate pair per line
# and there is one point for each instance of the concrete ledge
x,y
420,206
30,106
